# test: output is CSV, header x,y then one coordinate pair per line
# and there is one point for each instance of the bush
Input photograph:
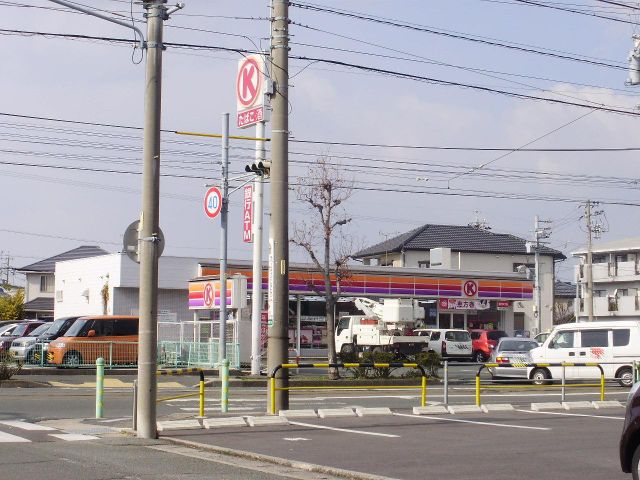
x,y
369,357
9,366
430,361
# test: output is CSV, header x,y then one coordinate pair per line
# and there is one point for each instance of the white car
x,y
511,350
21,346
450,343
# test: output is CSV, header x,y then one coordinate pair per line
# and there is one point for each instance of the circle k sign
x,y
249,82
470,288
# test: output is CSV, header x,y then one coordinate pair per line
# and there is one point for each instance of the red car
x,y
483,342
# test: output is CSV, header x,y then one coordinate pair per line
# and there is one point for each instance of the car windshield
x,y
76,328
40,330
457,336
20,329
517,345
56,326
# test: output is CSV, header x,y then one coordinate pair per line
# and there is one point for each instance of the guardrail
x,y
545,384
176,371
273,389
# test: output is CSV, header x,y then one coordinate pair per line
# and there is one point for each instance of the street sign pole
x,y
256,297
222,347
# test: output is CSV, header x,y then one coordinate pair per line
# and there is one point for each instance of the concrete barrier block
x,y
497,407
607,404
222,422
266,420
577,405
190,424
336,412
455,409
538,407
430,410
366,411
302,413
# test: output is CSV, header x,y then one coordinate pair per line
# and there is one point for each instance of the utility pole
x,y
223,361
589,292
156,13
277,349
539,233
256,294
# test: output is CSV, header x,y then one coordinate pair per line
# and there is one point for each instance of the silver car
x,y
512,350
21,347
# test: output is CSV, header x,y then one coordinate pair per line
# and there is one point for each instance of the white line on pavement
x,y
346,430
24,425
217,409
8,438
111,420
73,437
491,424
569,414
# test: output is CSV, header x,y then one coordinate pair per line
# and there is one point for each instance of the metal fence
x,y
171,354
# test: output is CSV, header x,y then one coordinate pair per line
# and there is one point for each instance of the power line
x,y
461,36
571,10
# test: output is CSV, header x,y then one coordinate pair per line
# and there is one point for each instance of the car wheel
x,y
635,464
348,348
540,376
72,359
478,357
625,377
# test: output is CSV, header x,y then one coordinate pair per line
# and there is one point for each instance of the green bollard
x,y
224,386
99,386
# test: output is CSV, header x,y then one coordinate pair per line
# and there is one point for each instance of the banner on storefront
x,y
460,304
503,304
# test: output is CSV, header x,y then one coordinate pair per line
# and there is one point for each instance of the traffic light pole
x,y
277,348
256,294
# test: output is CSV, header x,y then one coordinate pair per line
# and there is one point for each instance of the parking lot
x,y
520,444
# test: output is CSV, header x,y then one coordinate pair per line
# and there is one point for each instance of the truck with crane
x,y
384,327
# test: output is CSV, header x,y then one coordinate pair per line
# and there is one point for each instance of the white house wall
x,y
32,287
172,301
81,281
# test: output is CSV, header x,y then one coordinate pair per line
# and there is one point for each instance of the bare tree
x,y
321,236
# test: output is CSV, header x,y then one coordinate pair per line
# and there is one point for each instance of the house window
x,y
623,292
599,293
530,266
621,257
424,264
599,259
46,284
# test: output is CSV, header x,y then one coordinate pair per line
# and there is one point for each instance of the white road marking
x,y
24,425
346,430
490,424
296,439
8,438
570,414
73,437
112,420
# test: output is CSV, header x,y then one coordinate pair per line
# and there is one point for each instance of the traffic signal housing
x,y
262,167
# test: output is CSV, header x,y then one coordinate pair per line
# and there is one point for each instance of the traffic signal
x,y
262,167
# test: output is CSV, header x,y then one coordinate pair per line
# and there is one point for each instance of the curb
x,y
309,467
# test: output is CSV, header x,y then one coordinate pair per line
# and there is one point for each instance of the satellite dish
x,y
131,241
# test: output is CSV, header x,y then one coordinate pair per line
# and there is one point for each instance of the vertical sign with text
x,y
247,214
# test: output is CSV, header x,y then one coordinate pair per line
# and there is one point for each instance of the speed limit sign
x,y
212,202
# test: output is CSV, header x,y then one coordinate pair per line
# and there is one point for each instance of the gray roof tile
x,y
48,265
460,238
40,304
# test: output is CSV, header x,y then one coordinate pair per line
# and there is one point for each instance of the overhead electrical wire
x,y
385,72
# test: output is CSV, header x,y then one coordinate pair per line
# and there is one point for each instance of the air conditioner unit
x,y
59,295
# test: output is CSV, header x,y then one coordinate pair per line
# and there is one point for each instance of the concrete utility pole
x,y
277,349
256,294
149,224
539,233
224,213
589,292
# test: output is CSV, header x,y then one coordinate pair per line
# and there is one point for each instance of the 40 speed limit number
x,y
212,202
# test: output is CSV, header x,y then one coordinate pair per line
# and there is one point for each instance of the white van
x,y
614,344
449,343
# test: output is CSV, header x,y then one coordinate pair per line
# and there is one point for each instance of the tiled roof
x,y
460,238
40,304
565,289
48,265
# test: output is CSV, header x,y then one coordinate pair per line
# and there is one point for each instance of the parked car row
x,y
72,341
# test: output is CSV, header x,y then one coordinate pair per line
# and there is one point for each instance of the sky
x,y
471,64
